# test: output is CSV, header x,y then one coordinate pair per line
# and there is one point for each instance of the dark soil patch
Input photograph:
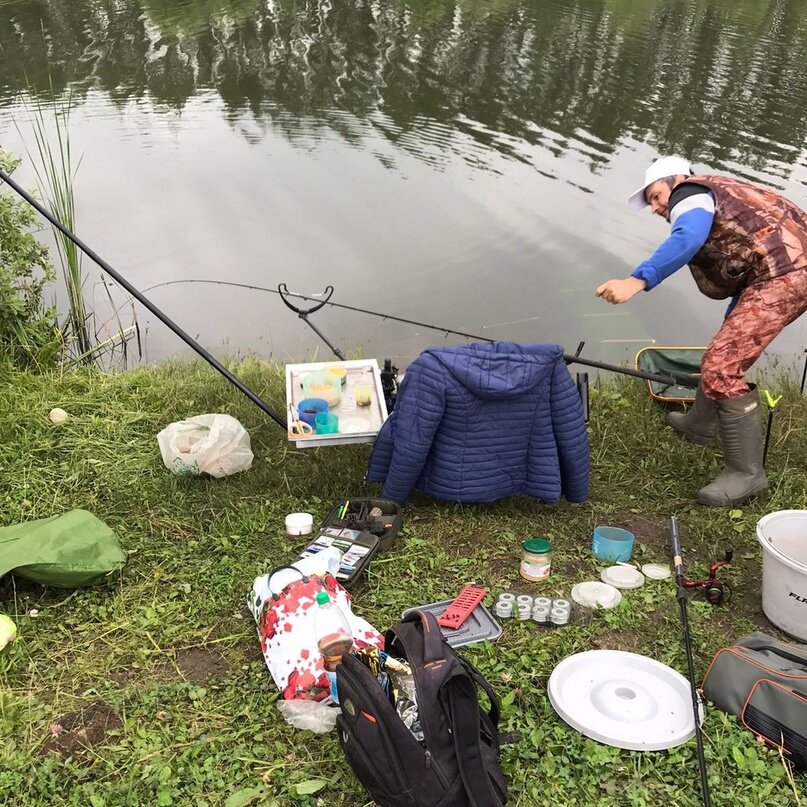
x,y
200,666
646,530
614,640
75,733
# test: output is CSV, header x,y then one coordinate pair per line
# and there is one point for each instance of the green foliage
x,y
194,737
28,333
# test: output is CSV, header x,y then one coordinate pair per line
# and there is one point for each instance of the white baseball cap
x,y
662,167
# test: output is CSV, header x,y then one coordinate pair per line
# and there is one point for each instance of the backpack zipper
x,y
431,765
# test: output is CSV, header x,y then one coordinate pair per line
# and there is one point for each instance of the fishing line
x,y
569,358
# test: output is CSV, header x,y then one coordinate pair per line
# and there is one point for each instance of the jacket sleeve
x,y
418,412
571,435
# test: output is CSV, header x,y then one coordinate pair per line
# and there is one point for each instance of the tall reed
x,y
55,176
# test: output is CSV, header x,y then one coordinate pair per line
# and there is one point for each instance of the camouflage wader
x,y
761,313
758,247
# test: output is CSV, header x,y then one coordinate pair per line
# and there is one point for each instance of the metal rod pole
x,y
189,340
569,358
682,600
338,353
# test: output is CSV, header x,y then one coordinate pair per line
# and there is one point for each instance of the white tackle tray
x,y
357,424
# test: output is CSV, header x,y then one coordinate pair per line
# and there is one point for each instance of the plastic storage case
x,y
358,534
357,517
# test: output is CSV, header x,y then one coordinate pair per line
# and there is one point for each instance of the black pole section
x,y
682,600
570,359
804,374
767,436
189,340
582,391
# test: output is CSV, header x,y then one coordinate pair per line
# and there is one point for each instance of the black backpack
x,y
458,763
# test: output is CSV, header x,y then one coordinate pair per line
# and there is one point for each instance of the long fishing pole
x,y
189,340
682,600
568,357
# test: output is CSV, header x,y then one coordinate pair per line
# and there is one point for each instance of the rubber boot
x,y
699,424
743,476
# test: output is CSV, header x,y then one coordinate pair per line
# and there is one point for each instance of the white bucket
x,y
783,537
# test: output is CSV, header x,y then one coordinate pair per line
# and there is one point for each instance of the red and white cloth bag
x,y
287,633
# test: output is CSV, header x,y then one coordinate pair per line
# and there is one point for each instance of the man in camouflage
x,y
746,243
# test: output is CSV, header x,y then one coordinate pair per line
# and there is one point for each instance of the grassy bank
x,y
178,708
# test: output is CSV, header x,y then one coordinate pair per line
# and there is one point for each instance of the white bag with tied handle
x,y
217,445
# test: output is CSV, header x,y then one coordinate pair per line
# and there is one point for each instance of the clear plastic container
x,y
334,637
321,384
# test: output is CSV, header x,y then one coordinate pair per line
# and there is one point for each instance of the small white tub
x,y
783,537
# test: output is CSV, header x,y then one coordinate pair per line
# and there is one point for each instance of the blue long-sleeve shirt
x,y
692,211
691,220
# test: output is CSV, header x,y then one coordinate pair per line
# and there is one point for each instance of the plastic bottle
x,y
334,637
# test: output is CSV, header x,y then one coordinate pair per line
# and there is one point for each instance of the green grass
x,y
169,659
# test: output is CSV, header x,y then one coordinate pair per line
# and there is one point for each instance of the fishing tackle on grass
x,y
681,596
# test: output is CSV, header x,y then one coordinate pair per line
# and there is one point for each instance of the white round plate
x,y
623,699
622,577
656,571
593,594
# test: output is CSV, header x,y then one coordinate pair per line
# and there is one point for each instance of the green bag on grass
x,y
68,551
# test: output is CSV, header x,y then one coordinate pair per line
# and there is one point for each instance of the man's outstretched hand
x,y
620,291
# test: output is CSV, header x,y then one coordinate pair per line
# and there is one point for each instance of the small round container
x,y
507,596
299,524
363,394
309,408
561,604
339,373
326,423
612,543
542,602
536,559
321,384
524,611
559,616
524,599
503,609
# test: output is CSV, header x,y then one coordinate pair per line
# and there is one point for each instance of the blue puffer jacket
x,y
476,423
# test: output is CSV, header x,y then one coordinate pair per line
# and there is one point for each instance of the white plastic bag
x,y
217,445
315,716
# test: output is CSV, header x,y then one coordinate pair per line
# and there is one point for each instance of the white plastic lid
x,y
656,571
623,699
622,577
299,523
593,594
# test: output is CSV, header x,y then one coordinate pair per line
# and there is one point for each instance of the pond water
x,y
459,162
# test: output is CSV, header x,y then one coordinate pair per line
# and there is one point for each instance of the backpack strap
x,y
464,711
482,683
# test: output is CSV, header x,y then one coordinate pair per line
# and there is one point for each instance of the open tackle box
x,y
360,528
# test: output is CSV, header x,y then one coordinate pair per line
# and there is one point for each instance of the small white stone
x,y
57,415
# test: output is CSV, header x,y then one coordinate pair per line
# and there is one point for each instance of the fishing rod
x,y
283,292
122,281
682,600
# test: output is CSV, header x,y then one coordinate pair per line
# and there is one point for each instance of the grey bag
x,y
764,683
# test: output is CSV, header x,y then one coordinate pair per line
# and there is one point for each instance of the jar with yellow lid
x,y
536,559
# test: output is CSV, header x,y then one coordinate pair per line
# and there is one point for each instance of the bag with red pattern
x,y
285,618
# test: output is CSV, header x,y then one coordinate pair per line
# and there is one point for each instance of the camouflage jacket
x,y
756,235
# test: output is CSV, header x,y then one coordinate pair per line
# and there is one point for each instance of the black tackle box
x,y
361,528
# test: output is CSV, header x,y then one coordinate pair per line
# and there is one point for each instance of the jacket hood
x,y
499,369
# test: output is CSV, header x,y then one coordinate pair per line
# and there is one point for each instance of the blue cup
x,y
309,408
612,543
